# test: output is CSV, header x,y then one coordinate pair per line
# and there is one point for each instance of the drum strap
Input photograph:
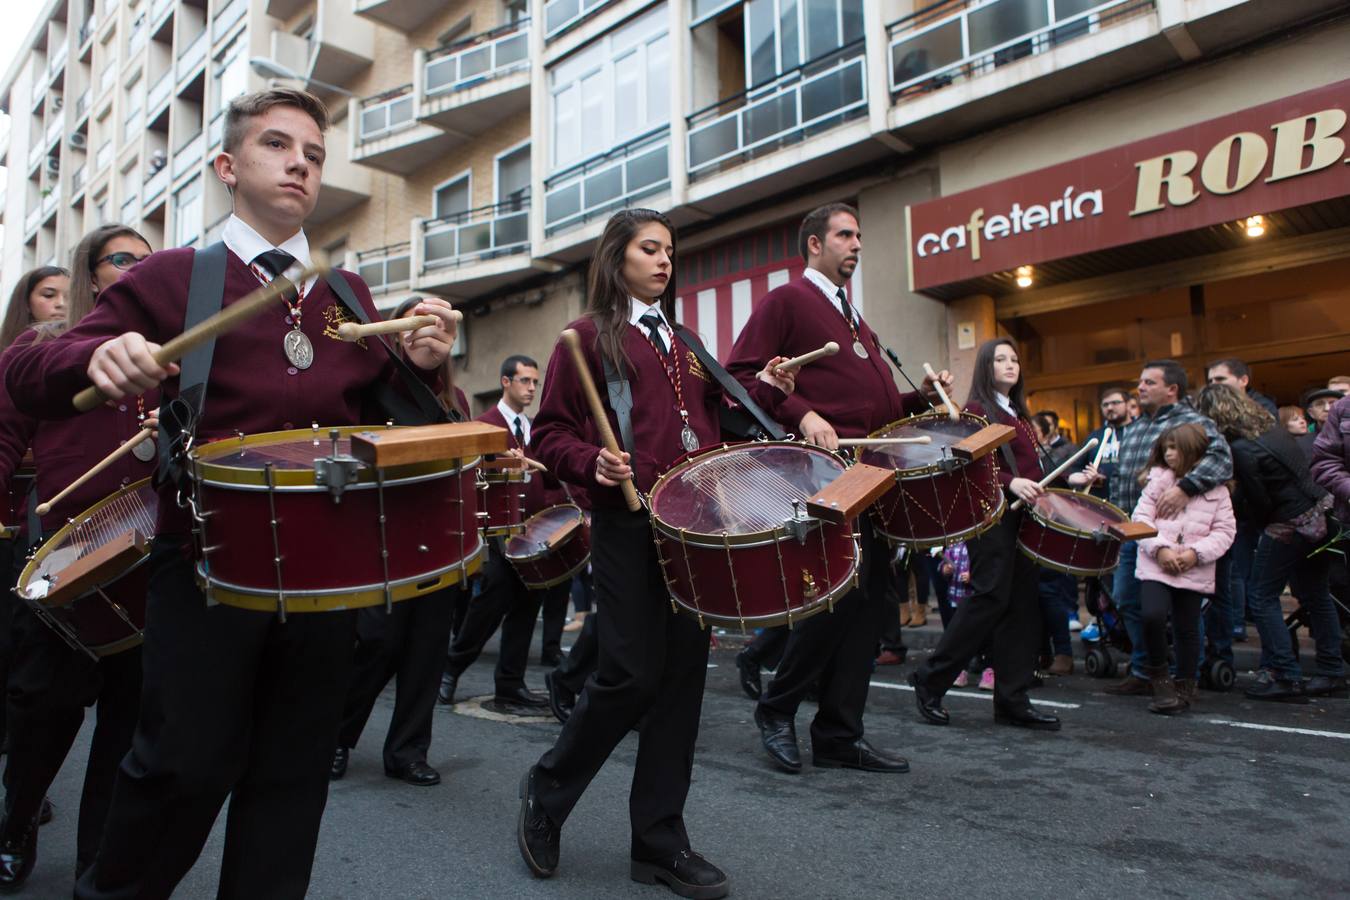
x,y
762,426
620,400
34,522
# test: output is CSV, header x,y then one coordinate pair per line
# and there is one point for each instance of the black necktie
x,y
520,433
652,320
274,262
848,309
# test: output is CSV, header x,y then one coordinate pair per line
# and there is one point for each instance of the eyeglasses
x,y
526,380
1113,403
121,260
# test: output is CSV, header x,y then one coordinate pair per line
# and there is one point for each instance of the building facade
x,y
479,146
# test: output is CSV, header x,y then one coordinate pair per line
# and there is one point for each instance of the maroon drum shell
x,y
502,502
96,625
938,499
764,576
543,570
1066,531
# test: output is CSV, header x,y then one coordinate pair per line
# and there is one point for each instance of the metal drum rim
x,y
931,468
1069,529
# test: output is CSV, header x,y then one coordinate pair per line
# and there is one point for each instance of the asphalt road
x,y
1235,799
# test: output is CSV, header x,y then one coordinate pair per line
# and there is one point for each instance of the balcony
x,y
389,137
342,45
560,15
58,59
385,268
215,131
402,15
189,156
471,86
87,30
607,182
107,78
190,59
103,157
226,17
54,128
140,35
82,104
283,9
160,92
35,154
77,180
31,221
155,185
159,11
476,252
131,210
49,203
345,184
39,91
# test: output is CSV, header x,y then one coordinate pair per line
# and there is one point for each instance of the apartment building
x,y
480,145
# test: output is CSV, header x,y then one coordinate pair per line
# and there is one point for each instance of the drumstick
x,y
212,327
573,342
953,412
1101,448
142,435
351,331
1077,454
881,442
830,349
536,465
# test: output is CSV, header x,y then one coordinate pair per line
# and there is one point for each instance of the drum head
x,y
943,431
744,489
1077,512
131,509
544,530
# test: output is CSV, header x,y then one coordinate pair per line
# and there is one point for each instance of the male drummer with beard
x,y
502,599
849,394
235,702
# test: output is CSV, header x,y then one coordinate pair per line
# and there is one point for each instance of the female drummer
x,y
651,659
51,683
1003,611
41,295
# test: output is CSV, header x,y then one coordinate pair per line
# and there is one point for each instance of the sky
x,y
20,15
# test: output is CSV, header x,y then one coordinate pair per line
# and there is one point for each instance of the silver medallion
x,y
145,450
859,349
688,439
298,349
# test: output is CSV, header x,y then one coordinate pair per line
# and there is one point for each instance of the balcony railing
x,y
35,153
83,102
140,33
131,209
477,234
30,221
191,57
160,91
215,129
189,156
58,59
107,78
39,90
385,268
481,58
604,183
104,156
562,14
88,28
156,183
54,128
159,10
941,43
386,113
77,179
49,203
809,98
227,17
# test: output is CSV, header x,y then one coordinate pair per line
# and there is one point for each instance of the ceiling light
x,y
1256,226
1024,276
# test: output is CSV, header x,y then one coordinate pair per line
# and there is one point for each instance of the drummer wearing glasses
x,y
836,650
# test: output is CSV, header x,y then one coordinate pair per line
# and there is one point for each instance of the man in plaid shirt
x,y
1162,404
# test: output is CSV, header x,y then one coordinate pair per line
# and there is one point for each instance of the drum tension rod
x,y
336,470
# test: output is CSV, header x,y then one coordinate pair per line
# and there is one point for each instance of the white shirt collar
x,y
637,309
510,416
244,242
1006,403
826,287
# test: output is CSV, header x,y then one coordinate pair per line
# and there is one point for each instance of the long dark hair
x,y
19,315
1191,442
982,390
608,303
448,395
84,258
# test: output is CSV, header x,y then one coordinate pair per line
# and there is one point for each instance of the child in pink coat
x,y
1176,568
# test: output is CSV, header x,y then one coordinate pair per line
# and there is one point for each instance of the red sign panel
x,y
1271,157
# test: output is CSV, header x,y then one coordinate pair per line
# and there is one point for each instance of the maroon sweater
x,y
541,491
64,450
566,440
1023,445
856,396
252,387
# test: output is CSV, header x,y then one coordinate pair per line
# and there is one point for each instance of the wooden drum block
x,y
845,498
427,443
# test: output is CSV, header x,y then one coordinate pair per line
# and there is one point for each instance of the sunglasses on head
x,y
121,260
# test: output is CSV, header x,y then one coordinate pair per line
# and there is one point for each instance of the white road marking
x,y
1311,732
980,696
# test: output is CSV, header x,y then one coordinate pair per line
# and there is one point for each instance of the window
x,y
618,86
452,197
513,174
231,74
187,214
780,35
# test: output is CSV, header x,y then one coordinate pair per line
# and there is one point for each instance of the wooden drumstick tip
x,y
830,348
349,331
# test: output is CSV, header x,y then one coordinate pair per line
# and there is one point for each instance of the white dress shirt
x,y
638,309
827,287
511,417
243,241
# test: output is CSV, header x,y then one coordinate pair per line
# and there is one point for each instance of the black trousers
x,y
504,602
581,660
652,661
8,550
1002,615
835,650
553,612
235,703
50,684
406,643
1156,602
767,647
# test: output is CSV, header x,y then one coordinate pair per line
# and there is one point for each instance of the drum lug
x,y
800,525
337,470
809,589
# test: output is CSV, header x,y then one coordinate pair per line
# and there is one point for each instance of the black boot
x,y
18,853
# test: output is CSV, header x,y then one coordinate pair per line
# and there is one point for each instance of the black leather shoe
x,y
49,809
930,704
1269,687
416,773
18,853
1326,686
1030,717
560,700
446,695
339,768
686,873
551,660
535,832
780,741
519,702
862,756
750,677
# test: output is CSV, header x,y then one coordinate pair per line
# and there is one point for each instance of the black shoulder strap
x,y
178,416
427,409
34,522
733,388
620,400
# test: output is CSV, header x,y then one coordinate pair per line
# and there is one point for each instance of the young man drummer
x,y
850,395
235,702
652,660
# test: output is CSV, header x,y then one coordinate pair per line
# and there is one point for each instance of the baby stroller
x,y
1105,633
